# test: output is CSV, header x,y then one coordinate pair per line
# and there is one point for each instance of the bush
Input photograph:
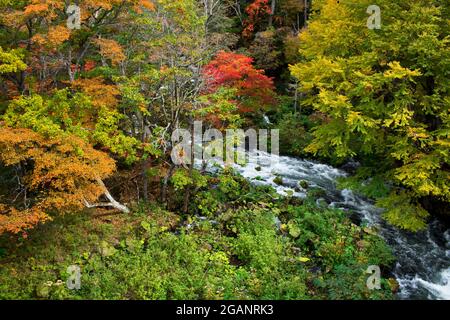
x,y
253,249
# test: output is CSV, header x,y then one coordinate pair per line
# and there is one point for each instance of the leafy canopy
x,y
385,95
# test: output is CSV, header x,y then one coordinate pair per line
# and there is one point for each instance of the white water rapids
x,y
423,259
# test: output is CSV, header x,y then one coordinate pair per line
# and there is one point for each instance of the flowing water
x,y
423,259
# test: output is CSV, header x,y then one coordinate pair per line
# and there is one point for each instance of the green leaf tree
x,y
384,94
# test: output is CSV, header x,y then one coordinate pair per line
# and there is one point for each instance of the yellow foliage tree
x,y
62,174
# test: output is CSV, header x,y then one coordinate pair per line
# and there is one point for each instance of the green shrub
x,y
243,253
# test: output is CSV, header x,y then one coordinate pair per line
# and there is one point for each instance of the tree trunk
x,y
112,202
187,194
306,13
272,12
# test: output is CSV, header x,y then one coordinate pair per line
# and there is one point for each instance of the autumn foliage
x,y
255,90
256,12
61,173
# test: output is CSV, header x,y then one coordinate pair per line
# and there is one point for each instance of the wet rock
x,y
303,184
278,180
394,285
351,167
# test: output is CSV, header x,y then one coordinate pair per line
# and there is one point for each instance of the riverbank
x,y
234,244
422,258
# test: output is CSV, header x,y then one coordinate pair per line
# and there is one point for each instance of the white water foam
x,y
440,290
423,264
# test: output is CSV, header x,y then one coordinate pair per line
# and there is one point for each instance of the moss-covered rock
x,y
279,181
303,184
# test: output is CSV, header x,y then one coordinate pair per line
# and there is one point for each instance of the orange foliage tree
x,y
40,27
59,174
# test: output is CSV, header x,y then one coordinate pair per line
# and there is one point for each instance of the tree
x,y
76,114
11,61
255,91
88,63
61,174
40,27
256,12
385,96
266,50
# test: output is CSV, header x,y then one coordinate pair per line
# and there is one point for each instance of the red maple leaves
x,y
256,11
231,70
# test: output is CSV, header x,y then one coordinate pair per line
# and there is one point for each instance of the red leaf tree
x,y
256,11
255,91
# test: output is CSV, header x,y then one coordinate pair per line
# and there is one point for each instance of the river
x,y
423,259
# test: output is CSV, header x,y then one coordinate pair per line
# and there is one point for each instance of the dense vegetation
x,y
385,96
242,253
87,114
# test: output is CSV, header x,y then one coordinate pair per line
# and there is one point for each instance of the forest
x,y
353,205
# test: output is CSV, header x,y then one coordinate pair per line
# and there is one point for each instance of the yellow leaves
x,y
16,221
353,117
443,143
101,94
337,31
419,173
36,7
320,73
336,141
402,211
60,178
419,135
332,103
399,119
11,61
427,188
111,50
313,148
396,71
57,35
359,123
